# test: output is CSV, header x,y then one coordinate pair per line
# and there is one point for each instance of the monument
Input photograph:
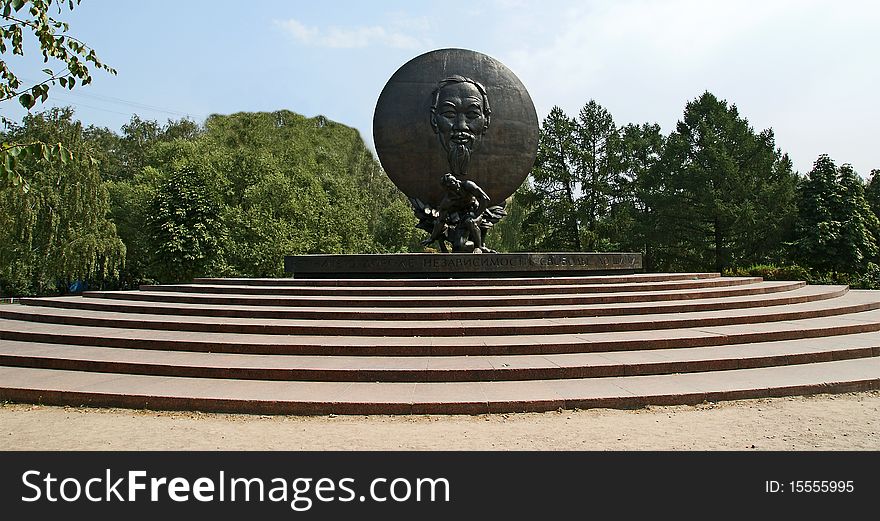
x,y
456,131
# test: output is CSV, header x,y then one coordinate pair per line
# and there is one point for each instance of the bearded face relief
x,y
460,117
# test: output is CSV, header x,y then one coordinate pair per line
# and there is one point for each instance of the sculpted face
x,y
460,117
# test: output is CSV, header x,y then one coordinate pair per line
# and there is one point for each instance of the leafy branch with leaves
x,y
54,44
20,17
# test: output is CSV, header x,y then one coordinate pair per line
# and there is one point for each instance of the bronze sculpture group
x,y
456,156
460,116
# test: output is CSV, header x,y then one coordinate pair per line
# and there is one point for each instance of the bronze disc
x,y
410,151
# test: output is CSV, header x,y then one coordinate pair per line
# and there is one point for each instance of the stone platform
x,y
440,345
460,265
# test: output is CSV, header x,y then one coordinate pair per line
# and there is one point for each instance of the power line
x,y
134,104
145,108
118,101
78,104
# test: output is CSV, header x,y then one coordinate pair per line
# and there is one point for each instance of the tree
x,y
631,225
723,194
59,231
55,44
552,222
597,163
507,235
872,192
185,224
836,229
73,54
279,184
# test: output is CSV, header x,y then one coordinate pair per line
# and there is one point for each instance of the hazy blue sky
x,y
808,69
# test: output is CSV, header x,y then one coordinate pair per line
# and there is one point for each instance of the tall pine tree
x,y
597,165
552,221
631,225
723,195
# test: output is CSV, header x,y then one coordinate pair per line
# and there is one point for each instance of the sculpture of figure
x,y
460,116
461,212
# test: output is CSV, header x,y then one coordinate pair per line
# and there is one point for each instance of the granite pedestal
x,y
462,265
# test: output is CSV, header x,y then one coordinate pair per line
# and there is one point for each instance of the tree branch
x,y
52,79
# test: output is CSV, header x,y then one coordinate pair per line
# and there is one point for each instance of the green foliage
x,y
869,278
872,192
11,154
33,16
185,224
772,272
74,56
597,166
573,181
130,203
836,229
552,220
713,194
723,195
234,197
632,224
58,231
507,234
230,199
285,184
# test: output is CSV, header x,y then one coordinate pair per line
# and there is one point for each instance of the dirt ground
x,y
822,422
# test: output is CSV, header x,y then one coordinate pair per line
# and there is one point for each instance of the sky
x,y
808,69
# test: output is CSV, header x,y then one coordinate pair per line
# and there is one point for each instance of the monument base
x,y
461,265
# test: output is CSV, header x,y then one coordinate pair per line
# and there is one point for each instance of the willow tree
x,y
58,231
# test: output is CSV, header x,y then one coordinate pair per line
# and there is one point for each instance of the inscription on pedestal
x,y
428,264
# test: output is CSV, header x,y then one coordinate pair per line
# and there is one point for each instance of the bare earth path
x,y
823,422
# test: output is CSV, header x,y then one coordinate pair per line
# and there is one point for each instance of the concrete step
x,y
419,301
851,302
487,290
440,346
49,386
436,369
794,296
539,343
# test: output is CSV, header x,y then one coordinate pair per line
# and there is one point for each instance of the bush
x,y
870,279
772,272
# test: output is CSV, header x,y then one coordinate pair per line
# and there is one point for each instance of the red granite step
x,y
419,301
436,369
483,290
76,388
852,302
793,296
540,343
394,346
